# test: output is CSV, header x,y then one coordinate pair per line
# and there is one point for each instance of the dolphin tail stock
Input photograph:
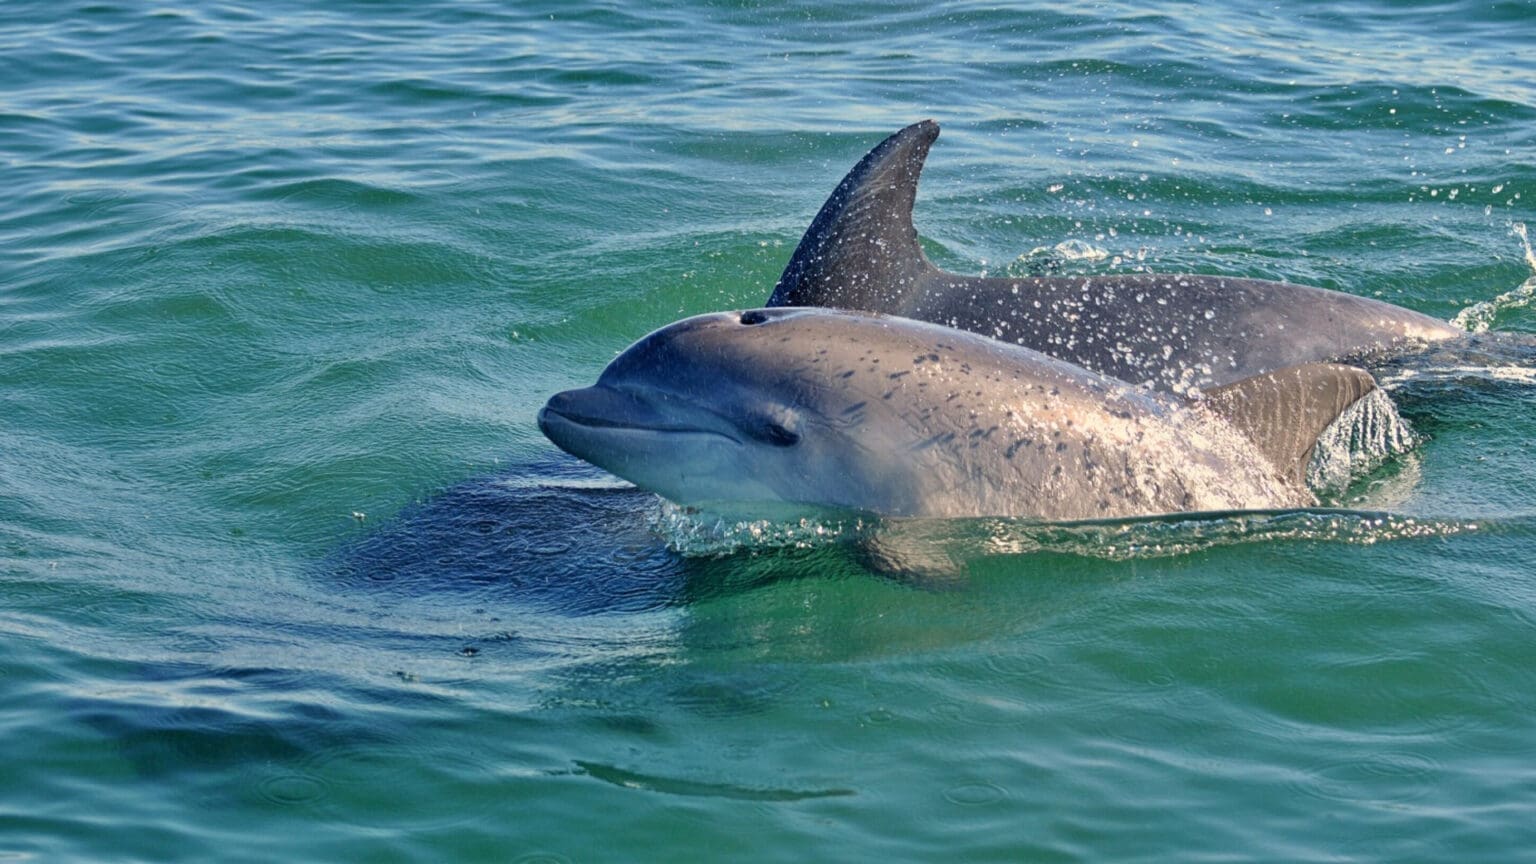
x,y
1284,412
861,251
1492,358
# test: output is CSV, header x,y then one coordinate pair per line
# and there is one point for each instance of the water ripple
x,y
282,286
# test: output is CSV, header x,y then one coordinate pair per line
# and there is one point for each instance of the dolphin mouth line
x,y
591,422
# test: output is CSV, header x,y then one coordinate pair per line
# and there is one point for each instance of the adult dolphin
x,y
1172,332
776,412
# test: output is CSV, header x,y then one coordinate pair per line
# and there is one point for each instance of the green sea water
x,y
288,573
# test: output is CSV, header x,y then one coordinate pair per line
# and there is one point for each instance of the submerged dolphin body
x,y
772,411
1171,332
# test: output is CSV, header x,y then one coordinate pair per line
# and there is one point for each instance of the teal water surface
x,y
288,573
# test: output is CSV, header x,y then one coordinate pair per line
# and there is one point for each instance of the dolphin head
x,y
733,412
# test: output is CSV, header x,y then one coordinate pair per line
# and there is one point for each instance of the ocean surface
x,y
287,572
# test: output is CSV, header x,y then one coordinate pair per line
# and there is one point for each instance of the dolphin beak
x,y
599,407
589,421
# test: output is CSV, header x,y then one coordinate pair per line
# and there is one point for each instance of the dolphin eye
x,y
778,436
773,433
775,426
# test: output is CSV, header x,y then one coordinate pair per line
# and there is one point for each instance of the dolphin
x,y
785,411
1169,332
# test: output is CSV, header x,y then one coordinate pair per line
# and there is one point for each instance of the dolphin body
x,y
773,412
1170,332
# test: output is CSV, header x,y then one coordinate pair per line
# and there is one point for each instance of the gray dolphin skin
x,y
776,411
1170,332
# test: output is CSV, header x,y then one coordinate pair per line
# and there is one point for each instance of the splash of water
x,y
1043,260
1363,437
1478,317
693,533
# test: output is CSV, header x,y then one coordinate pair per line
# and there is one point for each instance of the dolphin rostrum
x,y
774,411
1171,332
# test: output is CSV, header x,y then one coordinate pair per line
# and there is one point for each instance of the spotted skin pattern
x,y
825,408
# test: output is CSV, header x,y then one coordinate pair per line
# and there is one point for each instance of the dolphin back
x,y
1285,411
861,251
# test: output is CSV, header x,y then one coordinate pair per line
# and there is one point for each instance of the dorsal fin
x,y
861,251
1283,412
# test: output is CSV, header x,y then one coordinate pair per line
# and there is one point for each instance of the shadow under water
x,y
559,536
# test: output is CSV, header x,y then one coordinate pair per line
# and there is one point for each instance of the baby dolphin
x,y
776,411
1171,332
